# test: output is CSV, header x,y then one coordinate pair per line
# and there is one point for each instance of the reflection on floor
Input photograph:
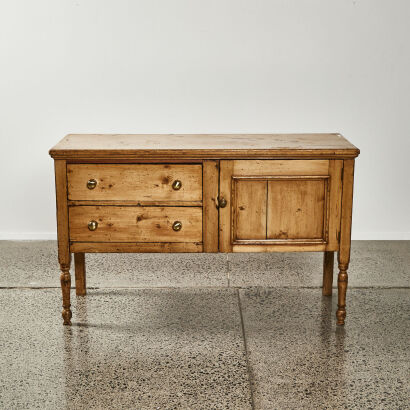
x,y
204,331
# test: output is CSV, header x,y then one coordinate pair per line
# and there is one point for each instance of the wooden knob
x,y
92,225
91,183
176,185
177,226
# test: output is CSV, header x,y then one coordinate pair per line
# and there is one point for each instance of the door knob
x,y
221,202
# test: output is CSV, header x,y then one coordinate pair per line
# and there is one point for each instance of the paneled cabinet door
x,y
280,205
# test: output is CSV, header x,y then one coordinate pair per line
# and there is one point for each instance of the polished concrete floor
x,y
205,332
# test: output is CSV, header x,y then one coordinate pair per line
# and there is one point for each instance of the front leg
x,y
65,279
63,235
343,256
341,299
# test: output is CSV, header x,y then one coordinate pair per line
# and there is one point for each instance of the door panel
x,y
297,209
292,204
250,209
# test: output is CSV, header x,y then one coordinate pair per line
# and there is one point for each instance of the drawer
x,y
135,224
134,182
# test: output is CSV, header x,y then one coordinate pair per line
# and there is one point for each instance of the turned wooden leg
x,y
80,278
343,256
63,236
341,298
65,280
328,262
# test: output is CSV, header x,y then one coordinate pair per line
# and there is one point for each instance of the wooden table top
x,y
203,146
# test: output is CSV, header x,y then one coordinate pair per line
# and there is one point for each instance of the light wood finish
x,y
210,211
136,247
343,256
137,203
249,209
64,256
203,146
296,203
297,209
335,203
225,187
293,168
328,262
279,167
239,193
116,160
135,224
80,275
258,247
138,182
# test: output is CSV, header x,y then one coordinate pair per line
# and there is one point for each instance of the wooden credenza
x,y
204,193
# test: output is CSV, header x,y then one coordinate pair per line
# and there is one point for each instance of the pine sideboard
x,y
204,193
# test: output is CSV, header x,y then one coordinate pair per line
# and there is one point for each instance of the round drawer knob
x,y
91,183
92,225
177,226
176,185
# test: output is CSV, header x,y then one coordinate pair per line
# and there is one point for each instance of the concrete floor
x,y
205,332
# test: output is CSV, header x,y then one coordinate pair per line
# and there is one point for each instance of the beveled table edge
x,y
183,154
346,151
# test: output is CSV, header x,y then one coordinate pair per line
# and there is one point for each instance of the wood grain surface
x,y
210,211
136,247
280,167
296,208
138,182
64,255
343,256
203,146
250,209
280,202
135,224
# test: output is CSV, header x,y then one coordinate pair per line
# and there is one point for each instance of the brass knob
x,y
92,225
91,183
177,226
176,185
222,202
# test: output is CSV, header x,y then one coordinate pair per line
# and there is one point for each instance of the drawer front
x,y
135,224
134,182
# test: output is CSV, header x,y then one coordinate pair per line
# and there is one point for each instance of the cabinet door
x,y
280,205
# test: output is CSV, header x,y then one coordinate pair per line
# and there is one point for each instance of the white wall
x,y
205,66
